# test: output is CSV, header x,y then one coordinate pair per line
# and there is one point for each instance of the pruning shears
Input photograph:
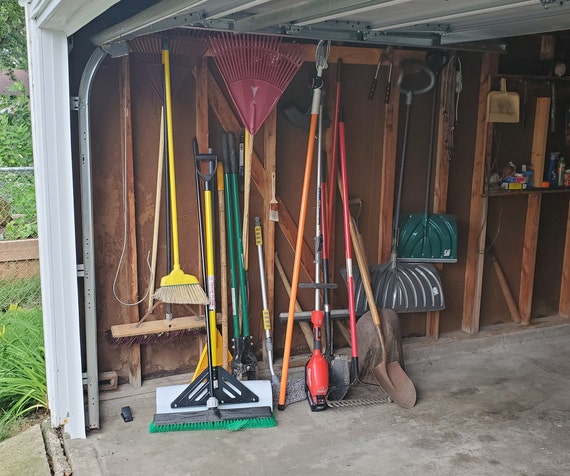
x,y
385,56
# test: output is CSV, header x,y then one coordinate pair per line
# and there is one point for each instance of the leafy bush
x,y
16,189
20,229
23,388
12,35
18,213
17,293
15,129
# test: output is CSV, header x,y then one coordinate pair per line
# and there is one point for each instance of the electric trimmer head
x,y
317,369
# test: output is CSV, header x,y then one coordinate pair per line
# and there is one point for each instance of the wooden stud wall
x,y
131,272
564,305
477,212
212,105
213,113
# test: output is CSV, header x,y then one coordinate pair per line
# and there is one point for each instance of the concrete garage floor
x,y
493,404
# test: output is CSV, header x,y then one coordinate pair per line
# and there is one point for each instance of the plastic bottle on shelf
x,y
551,174
561,171
526,170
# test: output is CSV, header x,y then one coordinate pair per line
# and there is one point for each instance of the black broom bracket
x,y
227,390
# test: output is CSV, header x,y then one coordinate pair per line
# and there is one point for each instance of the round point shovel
x,y
390,376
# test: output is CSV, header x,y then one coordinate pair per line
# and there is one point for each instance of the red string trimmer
x,y
317,368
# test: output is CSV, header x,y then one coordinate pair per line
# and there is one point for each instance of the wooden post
x,y
529,255
478,209
130,269
441,186
389,155
539,137
564,304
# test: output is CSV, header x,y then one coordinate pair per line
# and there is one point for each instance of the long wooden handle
x,y
246,196
156,215
366,281
511,304
358,246
223,265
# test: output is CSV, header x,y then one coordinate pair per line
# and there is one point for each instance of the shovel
x,y
390,376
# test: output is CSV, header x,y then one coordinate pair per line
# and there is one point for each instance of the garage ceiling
x,y
414,23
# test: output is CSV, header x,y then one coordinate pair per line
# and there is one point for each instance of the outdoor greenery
x,y
20,293
15,129
18,217
22,363
23,390
13,53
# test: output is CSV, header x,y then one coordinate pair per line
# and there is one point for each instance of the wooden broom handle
x,y
156,214
365,276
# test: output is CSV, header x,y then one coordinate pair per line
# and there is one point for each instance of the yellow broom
x,y
177,287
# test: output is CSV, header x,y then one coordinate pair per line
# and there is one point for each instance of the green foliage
x,y
17,201
20,229
13,427
20,293
15,129
12,36
23,388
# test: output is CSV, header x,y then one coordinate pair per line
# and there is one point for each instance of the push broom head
x,y
181,288
224,403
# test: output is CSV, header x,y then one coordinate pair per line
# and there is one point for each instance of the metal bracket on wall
x,y
74,103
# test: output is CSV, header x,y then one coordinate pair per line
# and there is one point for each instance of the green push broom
x,y
216,399
176,287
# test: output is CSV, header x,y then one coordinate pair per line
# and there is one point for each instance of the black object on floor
x,y
127,414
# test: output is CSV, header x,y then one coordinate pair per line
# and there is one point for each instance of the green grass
x,y
20,293
14,427
23,390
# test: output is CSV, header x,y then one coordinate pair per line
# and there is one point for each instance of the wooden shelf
x,y
479,205
529,77
503,193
